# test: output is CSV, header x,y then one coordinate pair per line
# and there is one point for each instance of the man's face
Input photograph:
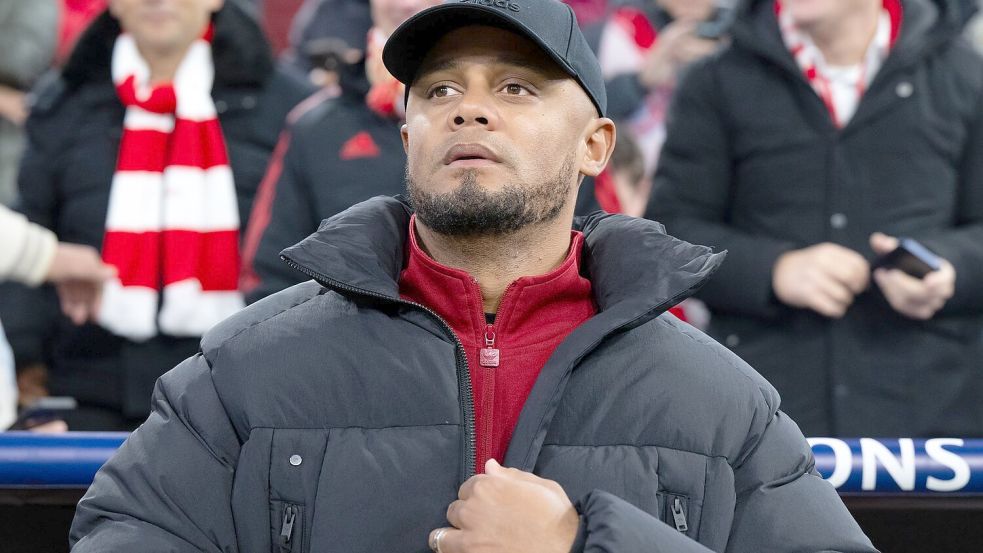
x,y
807,13
496,135
389,14
164,25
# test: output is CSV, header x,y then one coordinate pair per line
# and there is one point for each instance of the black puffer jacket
x,y
65,179
338,153
753,164
338,406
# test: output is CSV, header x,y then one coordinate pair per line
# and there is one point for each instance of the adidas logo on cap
x,y
504,4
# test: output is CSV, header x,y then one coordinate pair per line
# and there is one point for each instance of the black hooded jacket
x,y
347,412
65,179
753,164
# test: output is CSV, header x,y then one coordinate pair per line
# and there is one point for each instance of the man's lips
x,y
470,155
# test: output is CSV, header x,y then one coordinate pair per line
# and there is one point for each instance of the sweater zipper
x,y
488,358
461,360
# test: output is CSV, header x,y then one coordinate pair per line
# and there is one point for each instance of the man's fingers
x,y
445,540
836,291
467,488
828,307
882,243
455,513
850,269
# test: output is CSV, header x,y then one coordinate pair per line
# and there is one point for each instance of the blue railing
x,y
939,466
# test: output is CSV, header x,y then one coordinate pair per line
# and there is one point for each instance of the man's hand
x,y
79,273
825,278
915,298
13,107
507,510
678,46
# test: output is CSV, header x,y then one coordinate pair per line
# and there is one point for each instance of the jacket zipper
x,y
290,512
678,510
463,372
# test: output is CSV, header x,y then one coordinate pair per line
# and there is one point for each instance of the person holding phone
x,y
825,132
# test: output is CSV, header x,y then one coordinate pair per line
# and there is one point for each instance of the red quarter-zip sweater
x,y
536,313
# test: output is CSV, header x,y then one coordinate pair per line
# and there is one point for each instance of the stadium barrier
x,y
908,494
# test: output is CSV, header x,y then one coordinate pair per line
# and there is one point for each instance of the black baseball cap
x,y
548,23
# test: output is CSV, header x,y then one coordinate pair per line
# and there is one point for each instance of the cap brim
x,y
406,49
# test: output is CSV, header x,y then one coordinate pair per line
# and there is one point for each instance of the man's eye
x,y
516,89
442,91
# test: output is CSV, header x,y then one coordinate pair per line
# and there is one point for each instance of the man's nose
x,y
474,109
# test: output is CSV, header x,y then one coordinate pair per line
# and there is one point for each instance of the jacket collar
x,y
634,267
241,52
926,24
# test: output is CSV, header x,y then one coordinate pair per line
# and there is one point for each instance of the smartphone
x,y
717,25
42,411
911,257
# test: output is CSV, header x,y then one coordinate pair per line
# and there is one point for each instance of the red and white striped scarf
x,y
172,228
810,59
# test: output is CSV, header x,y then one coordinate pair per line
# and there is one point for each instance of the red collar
x,y
533,309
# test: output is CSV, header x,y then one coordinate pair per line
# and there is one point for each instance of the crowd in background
x,y
717,115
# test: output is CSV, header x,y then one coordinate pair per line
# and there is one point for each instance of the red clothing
x,y
536,313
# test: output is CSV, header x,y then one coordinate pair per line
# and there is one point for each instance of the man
x,y
826,130
150,145
338,153
353,412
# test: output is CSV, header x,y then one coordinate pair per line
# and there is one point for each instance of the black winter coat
x,y
65,179
753,164
338,154
348,411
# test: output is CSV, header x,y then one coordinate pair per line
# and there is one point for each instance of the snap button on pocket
x,y
296,460
904,89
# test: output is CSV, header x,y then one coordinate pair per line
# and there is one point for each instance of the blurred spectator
x,y
327,42
974,28
337,154
31,254
95,177
642,50
824,124
26,48
588,12
76,15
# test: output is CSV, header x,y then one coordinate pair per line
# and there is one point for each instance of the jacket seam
x,y
714,348
639,446
716,351
278,427
222,344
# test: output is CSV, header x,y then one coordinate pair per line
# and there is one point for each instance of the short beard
x,y
470,210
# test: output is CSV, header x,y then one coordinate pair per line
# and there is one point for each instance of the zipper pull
x,y
678,516
489,355
289,514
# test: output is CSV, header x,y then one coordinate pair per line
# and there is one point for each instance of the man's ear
x,y
599,145
404,133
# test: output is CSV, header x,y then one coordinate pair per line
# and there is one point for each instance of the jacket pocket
x,y
287,527
676,512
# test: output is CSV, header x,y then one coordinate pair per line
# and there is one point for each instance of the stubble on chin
x,y
472,210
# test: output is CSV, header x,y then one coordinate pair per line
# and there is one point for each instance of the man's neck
x,y
497,261
163,65
845,41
